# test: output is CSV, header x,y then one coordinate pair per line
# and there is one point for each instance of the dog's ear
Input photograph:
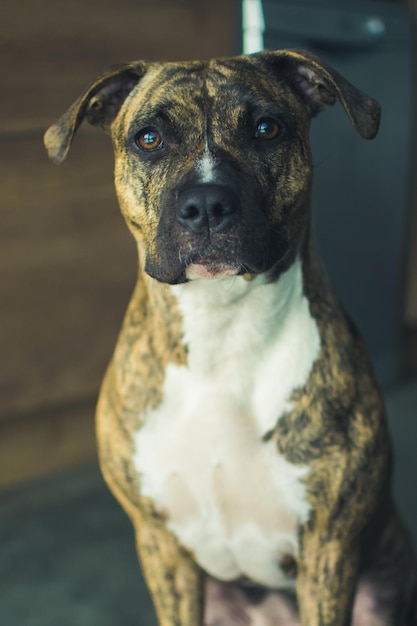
x,y
320,86
99,104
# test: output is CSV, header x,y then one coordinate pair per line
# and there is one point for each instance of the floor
x,y
67,555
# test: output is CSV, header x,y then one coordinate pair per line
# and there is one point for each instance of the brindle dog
x,y
239,423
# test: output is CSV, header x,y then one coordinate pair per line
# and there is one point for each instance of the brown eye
x,y
267,128
149,139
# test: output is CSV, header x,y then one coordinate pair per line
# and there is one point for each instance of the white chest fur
x,y
228,495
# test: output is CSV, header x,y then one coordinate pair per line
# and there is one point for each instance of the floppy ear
x,y
320,86
100,104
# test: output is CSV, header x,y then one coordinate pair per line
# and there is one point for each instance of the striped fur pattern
x,y
239,422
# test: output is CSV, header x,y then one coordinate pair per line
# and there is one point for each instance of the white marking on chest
x,y
229,496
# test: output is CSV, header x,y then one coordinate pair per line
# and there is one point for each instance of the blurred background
x,y
68,263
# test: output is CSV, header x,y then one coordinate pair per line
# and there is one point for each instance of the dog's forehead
x,y
203,89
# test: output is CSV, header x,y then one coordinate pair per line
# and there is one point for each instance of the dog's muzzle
x,y
210,231
206,212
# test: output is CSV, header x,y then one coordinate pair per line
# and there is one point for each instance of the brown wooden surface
x,y
51,50
46,442
67,266
67,262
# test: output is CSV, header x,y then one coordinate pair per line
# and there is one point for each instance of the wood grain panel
x,y
45,443
67,267
50,51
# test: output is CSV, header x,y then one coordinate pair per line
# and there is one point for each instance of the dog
x,y
239,423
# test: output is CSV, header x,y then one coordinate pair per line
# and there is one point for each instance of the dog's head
x,y
212,159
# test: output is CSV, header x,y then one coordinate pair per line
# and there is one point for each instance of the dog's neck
x,y
211,314
234,329
220,308
176,316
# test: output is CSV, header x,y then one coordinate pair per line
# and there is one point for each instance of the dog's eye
x,y
149,139
267,128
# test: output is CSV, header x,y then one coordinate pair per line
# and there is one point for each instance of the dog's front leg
x,y
175,582
326,580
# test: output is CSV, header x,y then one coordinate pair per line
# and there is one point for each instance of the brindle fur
x,y
337,425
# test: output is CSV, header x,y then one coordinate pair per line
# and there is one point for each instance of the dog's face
x,y
212,159
212,169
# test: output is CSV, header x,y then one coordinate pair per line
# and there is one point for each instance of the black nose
x,y
212,207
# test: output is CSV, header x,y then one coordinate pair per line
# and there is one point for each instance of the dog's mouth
x,y
234,253
209,266
211,263
210,231
210,271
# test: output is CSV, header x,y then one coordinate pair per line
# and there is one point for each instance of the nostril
x,y
190,212
218,210
217,213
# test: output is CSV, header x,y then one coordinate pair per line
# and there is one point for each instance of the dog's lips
x,y
209,271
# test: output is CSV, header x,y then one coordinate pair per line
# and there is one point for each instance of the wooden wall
x,y
67,262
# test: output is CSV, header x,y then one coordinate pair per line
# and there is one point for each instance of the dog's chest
x,y
227,494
